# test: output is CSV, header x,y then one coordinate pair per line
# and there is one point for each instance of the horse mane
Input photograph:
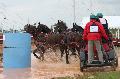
x,y
43,28
77,28
60,27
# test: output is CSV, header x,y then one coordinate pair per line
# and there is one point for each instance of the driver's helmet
x,y
100,15
93,16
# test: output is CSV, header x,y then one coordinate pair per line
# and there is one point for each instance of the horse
x,y
61,28
39,38
71,39
76,41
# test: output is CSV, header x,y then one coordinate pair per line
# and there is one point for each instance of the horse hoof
x,y
61,59
67,63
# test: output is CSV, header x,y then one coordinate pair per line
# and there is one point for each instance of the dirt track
x,y
54,66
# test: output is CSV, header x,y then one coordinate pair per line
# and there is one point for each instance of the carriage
x,y
109,56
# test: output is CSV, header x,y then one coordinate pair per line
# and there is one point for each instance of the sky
x,y
16,13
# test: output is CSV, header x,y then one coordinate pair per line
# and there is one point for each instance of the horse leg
x,y
62,51
42,53
78,51
34,53
54,48
73,50
67,53
42,56
74,53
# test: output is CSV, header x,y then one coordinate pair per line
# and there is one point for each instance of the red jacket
x,y
94,35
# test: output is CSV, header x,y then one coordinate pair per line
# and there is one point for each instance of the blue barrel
x,y
17,50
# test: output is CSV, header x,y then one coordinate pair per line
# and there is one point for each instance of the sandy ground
x,y
52,66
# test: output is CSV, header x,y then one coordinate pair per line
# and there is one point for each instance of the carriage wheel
x,y
116,62
81,69
81,66
114,67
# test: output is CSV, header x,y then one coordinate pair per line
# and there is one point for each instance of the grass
x,y
97,75
64,78
108,75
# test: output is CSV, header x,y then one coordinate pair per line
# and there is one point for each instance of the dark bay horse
x,y
38,34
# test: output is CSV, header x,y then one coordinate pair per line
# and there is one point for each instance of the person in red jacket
x,y
93,33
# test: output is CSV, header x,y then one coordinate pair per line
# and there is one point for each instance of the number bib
x,y
93,28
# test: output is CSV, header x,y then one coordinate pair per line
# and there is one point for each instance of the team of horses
x,y
68,41
61,38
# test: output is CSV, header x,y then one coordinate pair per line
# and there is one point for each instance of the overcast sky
x,y
20,12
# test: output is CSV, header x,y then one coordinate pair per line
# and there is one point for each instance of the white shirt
x,y
102,21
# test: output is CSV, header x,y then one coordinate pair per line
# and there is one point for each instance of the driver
x,y
93,33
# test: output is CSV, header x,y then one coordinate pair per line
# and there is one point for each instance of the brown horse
x,y
39,38
76,43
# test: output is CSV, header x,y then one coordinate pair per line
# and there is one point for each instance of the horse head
x,y
77,28
30,28
60,26
43,28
